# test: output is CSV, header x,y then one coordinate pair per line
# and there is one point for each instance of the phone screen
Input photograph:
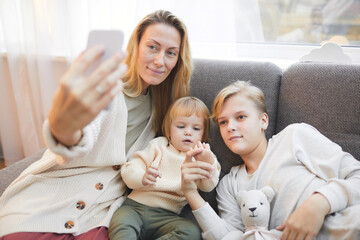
x,y
112,40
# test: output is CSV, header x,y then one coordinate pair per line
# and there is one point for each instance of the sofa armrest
x,y
10,173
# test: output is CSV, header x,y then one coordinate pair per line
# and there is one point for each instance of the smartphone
x,y
112,40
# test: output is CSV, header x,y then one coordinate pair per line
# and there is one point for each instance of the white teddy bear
x,y
255,213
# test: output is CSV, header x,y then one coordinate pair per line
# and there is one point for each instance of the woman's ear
x,y
265,121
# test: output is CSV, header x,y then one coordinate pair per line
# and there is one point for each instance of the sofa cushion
x,y
325,95
210,76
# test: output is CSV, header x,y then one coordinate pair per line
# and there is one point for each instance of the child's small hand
x,y
205,154
150,176
192,171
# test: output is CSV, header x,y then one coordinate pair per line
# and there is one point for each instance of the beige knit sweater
x,y
166,193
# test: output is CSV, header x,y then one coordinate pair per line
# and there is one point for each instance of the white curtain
x,y
40,38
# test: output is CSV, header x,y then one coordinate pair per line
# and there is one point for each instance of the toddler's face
x,y
185,132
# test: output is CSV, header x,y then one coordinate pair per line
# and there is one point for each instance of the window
x,y
275,30
311,22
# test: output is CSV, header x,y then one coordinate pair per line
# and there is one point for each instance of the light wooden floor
x,y
2,163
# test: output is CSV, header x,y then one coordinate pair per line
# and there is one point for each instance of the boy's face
x,y
185,132
242,125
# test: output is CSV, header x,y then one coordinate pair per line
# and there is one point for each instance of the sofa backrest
x,y
325,95
210,76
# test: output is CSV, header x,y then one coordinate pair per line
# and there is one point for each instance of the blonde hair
x,y
239,87
187,106
176,85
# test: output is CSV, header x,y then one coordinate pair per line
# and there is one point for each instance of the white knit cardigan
x,y
72,190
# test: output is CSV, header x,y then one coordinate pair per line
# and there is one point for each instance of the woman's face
x,y
158,53
242,125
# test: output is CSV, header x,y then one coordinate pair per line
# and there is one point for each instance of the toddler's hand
x,y
150,176
192,171
205,154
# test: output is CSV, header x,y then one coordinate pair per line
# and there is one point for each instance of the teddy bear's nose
x,y
252,209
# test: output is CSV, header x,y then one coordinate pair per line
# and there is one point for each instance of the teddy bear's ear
x,y
269,192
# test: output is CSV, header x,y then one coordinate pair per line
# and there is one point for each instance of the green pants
x,y
134,220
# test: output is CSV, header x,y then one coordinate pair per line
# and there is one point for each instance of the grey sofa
x,y
325,95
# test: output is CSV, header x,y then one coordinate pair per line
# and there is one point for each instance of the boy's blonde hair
x,y
255,94
176,85
187,106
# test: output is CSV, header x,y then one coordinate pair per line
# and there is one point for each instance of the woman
x,y
75,188
311,175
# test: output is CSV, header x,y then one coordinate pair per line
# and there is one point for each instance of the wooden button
x,y
116,167
80,205
99,186
69,224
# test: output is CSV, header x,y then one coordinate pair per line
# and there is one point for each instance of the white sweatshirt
x,y
298,162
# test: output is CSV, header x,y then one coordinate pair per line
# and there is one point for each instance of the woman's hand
x,y
81,96
306,221
150,176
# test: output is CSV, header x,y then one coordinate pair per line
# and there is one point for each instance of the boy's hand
x,y
150,176
305,222
192,171
204,154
